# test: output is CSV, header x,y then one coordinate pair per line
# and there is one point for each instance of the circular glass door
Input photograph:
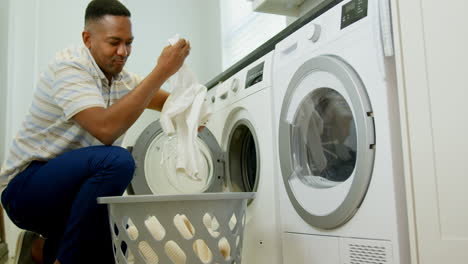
x,y
323,139
326,141
156,159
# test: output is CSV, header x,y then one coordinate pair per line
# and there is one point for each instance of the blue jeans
x,y
57,199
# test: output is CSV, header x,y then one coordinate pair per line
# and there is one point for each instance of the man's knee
x,y
113,162
123,159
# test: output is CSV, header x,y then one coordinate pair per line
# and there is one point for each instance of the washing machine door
x,y
326,141
155,160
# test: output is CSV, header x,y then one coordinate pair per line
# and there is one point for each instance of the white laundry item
x,y
232,222
183,112
311,133
211,225
203,251
145,249
186,229
155,228
148,253
132,232
175,253
184,226
224,248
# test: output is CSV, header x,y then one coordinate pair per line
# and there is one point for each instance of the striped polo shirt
x,y
71,83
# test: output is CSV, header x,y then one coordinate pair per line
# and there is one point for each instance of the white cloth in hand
x,y
183,112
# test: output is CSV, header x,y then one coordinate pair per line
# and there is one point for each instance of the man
x,y
64,157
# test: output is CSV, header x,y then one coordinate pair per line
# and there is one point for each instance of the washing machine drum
x,y
155,160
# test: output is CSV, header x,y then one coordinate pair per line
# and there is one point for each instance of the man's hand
x,y
173,56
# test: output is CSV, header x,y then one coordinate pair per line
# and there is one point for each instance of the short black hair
x,y
97,9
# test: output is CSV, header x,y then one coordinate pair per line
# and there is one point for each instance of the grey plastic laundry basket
x,y
179,229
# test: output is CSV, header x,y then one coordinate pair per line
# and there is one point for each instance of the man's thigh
x,y
43,199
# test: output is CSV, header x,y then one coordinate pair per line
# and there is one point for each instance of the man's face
x,y
110,42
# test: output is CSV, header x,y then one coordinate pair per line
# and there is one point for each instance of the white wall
x,y
59,25
21,44
19,81
4,7
156,21
35,33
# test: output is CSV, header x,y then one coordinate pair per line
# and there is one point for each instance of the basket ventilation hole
x,y
237,241
148,253
243,220
233,222
202,250
155,228
211,224
116,229
129,256
124,249
224,248
184,226
175,253
131,229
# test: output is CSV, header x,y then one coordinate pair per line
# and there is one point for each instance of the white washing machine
x,y
342,200
237,152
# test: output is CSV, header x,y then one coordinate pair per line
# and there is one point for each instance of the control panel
x,y
352,12
249,80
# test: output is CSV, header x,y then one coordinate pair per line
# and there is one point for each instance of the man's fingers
x,y
181,43
187,48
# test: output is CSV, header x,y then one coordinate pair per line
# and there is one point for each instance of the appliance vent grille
x,y
364,254
366,251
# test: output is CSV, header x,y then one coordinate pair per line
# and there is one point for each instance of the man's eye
x,y
114,43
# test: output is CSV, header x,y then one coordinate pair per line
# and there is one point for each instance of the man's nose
x,y
122,50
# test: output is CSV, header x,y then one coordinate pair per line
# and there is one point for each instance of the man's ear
x,y
86,35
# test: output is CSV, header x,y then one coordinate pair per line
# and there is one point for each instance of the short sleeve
x,y
137,79
75,89
131,80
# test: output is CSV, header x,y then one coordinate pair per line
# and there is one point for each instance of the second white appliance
x,y
336,117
